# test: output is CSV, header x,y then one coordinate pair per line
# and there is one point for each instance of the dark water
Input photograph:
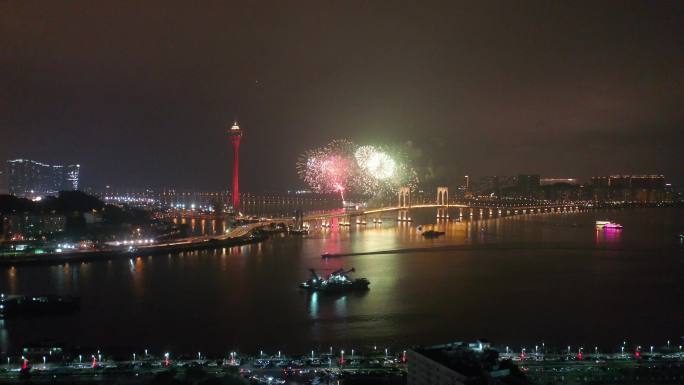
x,y
515,280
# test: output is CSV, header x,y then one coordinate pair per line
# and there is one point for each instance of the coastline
x,y
90,255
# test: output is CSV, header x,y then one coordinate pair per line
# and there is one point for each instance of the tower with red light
x,y
235,134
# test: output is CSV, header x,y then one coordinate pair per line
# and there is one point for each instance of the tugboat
x,y
432,233
337,281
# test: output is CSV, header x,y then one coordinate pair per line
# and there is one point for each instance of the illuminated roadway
x,y
499,208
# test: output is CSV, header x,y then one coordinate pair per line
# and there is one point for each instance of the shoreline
x,y
85,256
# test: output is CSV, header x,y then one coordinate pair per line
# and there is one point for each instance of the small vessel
x,y
300,231
432,233
327,255
337,281
608,225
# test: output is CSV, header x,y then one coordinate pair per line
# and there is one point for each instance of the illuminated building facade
x,y
3,181
34,226
630,188
31,179
552,181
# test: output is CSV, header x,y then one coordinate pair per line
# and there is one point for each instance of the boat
x,y
300,231
608,225
433,233
327,255
337,281
13,305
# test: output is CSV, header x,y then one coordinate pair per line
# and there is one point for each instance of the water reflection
x,y
414,296
341,306
312,304
608,237
12,280
4,340
138,274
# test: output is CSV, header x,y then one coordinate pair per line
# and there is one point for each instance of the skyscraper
x,y
3,180
29,178
528,185
235,134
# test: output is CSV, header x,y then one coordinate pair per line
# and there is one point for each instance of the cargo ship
x,y
337,281
18,305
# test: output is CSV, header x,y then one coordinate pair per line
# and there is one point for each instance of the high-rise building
x,y
637,188
629,188
488,185
71,174
235,134
528,185
4,188
30,179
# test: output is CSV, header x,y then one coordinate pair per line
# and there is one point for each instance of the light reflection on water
x,y
511,279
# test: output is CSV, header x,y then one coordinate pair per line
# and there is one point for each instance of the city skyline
x,y
24,178
553,89
341,192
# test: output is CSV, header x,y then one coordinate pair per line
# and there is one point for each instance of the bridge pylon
x,y
443,196
443,200
404,197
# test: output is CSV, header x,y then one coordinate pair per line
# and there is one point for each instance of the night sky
x,y
142,93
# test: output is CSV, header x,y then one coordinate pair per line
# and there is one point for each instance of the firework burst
x,y
366,170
